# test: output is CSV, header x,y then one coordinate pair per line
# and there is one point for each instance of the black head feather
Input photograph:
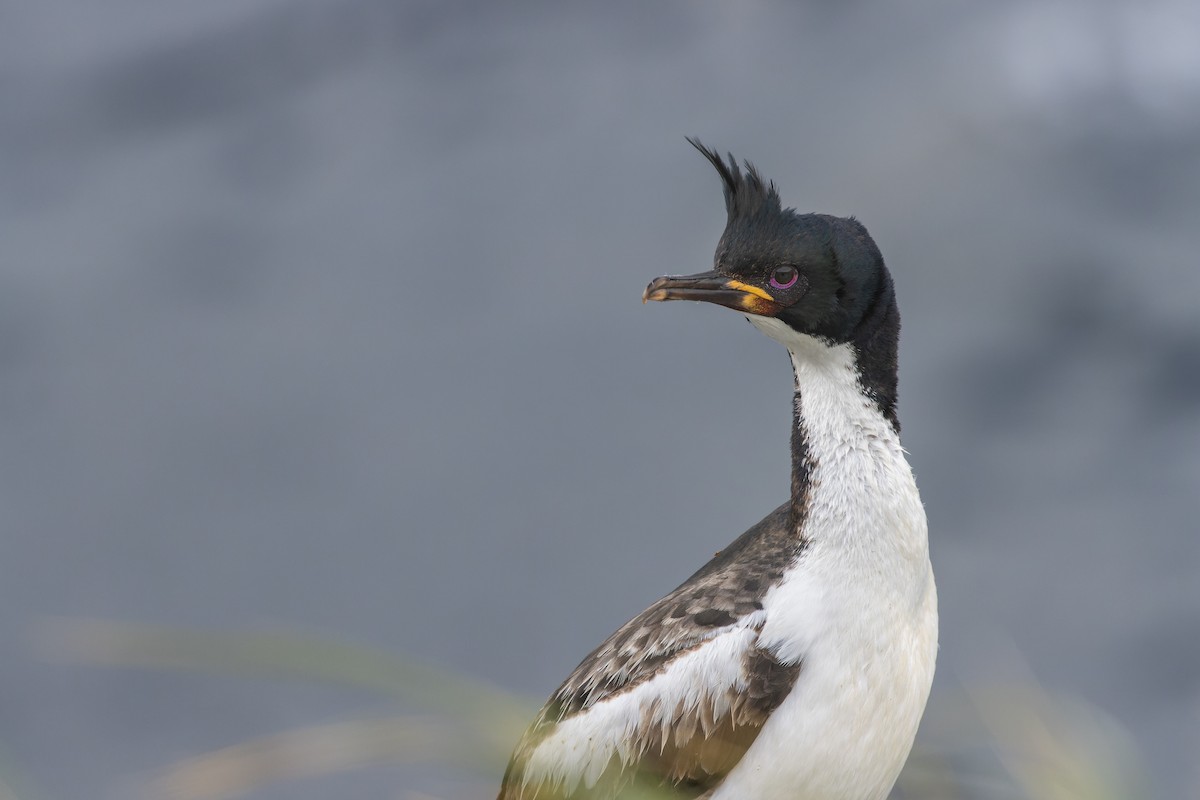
x,y
841,270
746,195
843,293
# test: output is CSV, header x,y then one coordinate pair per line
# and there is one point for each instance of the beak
x,y
710,287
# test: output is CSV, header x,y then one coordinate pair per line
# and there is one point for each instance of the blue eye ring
x,y
785,277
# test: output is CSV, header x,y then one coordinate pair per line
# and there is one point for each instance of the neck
x,y
838,425
845,401
876,341
802,465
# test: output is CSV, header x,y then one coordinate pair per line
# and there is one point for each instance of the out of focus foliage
x,y
1013,740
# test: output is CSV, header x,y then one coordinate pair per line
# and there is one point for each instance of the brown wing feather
x,y
697,749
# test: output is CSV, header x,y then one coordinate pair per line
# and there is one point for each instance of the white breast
x,y
859,608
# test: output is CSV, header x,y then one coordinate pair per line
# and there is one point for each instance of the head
x,y
802,279
818,275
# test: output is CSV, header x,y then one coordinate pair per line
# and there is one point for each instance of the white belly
x,y
846,729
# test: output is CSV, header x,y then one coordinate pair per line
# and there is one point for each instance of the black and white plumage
x,y
797,662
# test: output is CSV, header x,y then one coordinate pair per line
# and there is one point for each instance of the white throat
x,y
857,459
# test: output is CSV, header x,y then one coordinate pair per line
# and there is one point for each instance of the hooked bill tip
x,y
653,293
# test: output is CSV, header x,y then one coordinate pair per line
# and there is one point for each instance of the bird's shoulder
x,y
726,590
719,605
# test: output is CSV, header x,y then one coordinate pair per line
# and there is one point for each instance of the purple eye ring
x,y
784,277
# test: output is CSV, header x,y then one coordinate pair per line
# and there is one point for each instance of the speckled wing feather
x,y
689,744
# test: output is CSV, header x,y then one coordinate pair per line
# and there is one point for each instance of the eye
x,y
784,277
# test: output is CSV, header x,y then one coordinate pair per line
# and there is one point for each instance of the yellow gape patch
x,y
745,287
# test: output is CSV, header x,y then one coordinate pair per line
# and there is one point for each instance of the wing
x,y
676,695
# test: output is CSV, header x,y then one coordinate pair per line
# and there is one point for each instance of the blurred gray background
x,y
325,316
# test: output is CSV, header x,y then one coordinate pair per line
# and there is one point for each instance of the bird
x,y
798,661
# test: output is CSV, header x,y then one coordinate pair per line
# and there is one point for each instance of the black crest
x,y
747,194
